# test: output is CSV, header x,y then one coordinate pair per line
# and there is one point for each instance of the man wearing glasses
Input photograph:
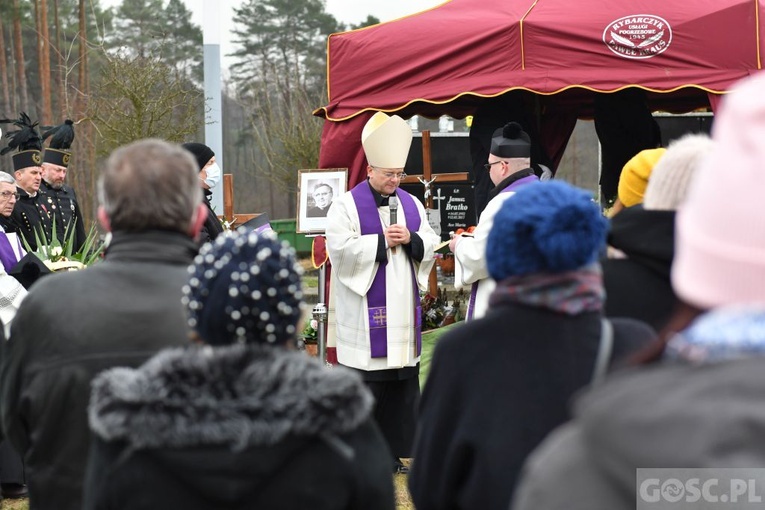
x,y
322,199
509,168
11,294
10,245
378,268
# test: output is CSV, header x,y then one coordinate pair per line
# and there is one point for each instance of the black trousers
x,y
11,465
396,409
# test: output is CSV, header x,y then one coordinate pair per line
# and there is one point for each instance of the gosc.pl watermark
x,y
700,488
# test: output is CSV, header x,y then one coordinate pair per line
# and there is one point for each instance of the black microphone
x,y
393,205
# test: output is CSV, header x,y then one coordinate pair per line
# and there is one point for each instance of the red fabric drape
x,y
341,147
714,101
554,134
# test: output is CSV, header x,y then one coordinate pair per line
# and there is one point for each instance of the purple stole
x,y
7,255
512,187
377,310
263,228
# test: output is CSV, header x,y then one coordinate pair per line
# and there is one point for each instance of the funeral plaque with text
x,y
456,204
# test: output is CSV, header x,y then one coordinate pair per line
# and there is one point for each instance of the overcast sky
x,y
353,11
345,11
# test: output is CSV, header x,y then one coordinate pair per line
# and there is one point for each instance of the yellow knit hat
x,y
635,174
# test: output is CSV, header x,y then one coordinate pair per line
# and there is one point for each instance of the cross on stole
x,y
380,317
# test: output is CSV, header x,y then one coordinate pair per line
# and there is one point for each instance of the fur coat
x,y
234,427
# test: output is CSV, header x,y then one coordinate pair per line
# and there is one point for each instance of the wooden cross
x,y
427,176
228,204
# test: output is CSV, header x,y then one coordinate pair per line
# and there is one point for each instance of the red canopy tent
x,y
450,59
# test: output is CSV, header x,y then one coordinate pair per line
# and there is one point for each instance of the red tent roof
x,y
467,48
448,59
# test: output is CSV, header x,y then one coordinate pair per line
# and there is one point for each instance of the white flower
x,y
56,251
314,324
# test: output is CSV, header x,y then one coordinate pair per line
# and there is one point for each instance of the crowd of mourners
x,y
168,375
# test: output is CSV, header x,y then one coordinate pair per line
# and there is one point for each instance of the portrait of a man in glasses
x,y
322,194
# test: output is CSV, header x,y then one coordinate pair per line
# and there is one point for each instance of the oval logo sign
x,y
638,36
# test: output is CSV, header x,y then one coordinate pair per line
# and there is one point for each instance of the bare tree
x,y
141,97
43,56
19,53
60,65
83,83
6,105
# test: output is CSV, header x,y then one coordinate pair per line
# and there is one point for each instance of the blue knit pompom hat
x,y
244,288
545,227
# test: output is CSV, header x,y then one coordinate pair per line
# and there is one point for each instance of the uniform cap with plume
x,y
26,140
61,138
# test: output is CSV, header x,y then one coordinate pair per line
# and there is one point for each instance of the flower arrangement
x,y
228,225
62,257
437,312
310,331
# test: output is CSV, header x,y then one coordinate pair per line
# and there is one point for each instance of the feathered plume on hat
x,y
61,138
511,141
26,140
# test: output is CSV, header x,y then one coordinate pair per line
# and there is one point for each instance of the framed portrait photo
x,y
317,189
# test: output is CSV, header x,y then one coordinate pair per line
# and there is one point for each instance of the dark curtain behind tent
x,y
625,126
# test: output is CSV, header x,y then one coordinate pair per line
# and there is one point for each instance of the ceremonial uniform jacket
x,y
63,207
470,253
32,214
356,258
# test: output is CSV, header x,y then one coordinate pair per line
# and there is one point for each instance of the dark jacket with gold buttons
x,y
65,211
32,214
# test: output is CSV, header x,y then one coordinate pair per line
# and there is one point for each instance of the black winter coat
x,y
497,387
235,427
212,226
639,286
72,326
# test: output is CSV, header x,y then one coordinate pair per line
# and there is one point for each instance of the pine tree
x,y
138,27
280,77
184,48
282,42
